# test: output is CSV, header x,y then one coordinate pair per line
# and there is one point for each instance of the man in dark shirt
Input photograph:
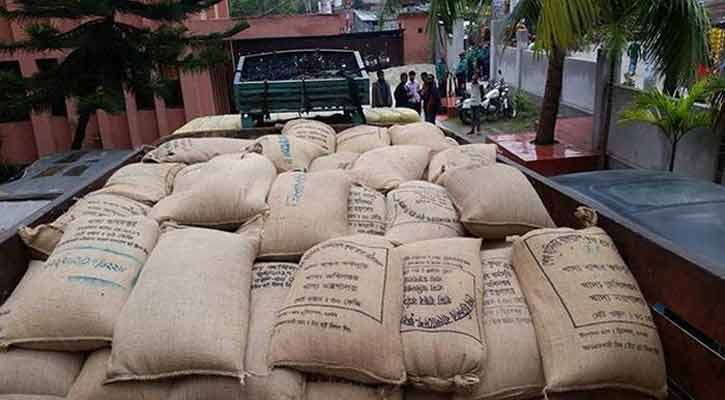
x,y
401,93
381,92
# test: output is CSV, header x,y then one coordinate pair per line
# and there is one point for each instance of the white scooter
x,y
496,103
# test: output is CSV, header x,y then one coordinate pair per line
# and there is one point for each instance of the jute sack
x,y
30,372
513,366
44,238
386,168
147,183
270,284
478,155
215,267
443,340
496,201
70,302
214,124
593,327
312,131
188,177
89,384
287,152
195,150
362,138
420,210
30,397
366,210
342,315
340,160
305,209
228,193
207,388
420,133
338,389
412,393
391,115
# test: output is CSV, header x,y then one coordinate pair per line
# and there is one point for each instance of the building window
x,y
174,99
57,105
145,100
12,68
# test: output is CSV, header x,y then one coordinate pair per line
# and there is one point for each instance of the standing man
x,y
432,100
381,92
442,75
484,61
633,52
401,92
413,89
476,95
461,75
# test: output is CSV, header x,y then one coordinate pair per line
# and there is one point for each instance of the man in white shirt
x,y
476,94
413,92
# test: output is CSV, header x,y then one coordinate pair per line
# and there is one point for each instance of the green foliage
x,y
253,8
104,55
523,102
675,117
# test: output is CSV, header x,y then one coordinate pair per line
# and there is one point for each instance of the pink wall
x,y
16,143
415,38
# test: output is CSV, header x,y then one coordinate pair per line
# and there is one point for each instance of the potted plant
x,y
675,117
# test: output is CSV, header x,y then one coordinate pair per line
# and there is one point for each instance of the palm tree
x,y
675,117
673,34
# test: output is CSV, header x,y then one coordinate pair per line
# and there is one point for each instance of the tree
x,y
106,56
675,117
673,34
254,8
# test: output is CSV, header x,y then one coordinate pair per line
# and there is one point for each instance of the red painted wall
x,y
415,38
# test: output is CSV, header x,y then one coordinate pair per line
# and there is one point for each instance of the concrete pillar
x,y
522,43
455,44
497,31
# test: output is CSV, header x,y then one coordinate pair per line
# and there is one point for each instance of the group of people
x,y
409,93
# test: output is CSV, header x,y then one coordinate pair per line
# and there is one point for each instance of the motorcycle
x,y
497,103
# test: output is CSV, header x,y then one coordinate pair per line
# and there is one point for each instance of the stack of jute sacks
x,y
371,263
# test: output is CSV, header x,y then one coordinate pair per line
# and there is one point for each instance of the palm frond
x,y
674,36
529,10
562,23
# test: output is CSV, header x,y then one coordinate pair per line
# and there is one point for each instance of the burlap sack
x,y
287,152
470,155
89,384
270,284
496,201
362,138
366,210
338,389
387,167
312,131
29,397
388,115
593,327
72,300
215,267
195,150
412,393
342,315
513,366
188,177
147,183
305,209
214,124
207,388
421,134
340,160
44,238
228,193
30,372
443,339
420,210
